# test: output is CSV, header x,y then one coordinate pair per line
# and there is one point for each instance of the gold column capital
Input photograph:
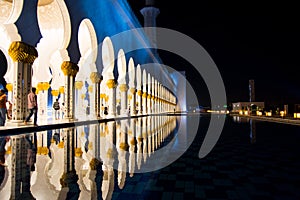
x,y
78,85
139,92
123,87
22,52
95,77
9,87
111,83
145,95
69,68
55,93
61,89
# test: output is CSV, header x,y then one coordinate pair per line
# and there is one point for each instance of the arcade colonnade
x,y
81,86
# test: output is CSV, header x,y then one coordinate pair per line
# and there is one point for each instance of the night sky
x,y
246,41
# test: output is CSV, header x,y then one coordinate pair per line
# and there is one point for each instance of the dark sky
x,y
246,41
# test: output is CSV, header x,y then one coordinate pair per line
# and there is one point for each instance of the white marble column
x,y
132,89
24,55
122,85
149,94
70,70
144,96
139,92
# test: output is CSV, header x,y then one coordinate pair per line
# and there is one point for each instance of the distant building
x,y
247,106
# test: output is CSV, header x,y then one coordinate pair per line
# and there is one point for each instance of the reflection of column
x,y
107,187
149,135
139,136
108,161
70,70
145,137
252,131
131,141
121,148
24,55
69,177
20,170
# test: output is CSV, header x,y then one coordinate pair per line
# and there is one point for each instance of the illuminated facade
x,y
75,51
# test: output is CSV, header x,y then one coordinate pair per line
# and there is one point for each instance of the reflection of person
x,y
31,152
9,109
32,106
56,108
3,141
2,107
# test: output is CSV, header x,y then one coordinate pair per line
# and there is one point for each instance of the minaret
x,y
251,91
150,13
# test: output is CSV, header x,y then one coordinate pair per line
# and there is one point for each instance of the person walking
x,y
56,108
2,107
32,106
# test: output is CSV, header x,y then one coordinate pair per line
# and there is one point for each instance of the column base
x,y
17,123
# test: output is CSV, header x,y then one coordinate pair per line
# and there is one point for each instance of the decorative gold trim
x,y
69,68
144,95
78,85
61,145
139,92
61,89
22,52
95,77
55,93
9,87
132,90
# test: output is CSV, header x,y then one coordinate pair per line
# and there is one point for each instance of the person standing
x,y
32,106
2,107
56,108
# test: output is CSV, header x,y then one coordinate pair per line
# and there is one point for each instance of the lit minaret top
x,y
150,13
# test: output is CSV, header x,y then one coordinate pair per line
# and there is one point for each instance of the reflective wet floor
x,y
153,158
